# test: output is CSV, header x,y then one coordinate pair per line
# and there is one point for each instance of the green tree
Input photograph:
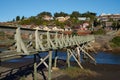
x,y
116,41
25,22
22,18
90,15
60,14
75,14
13,20
42,14
17,18
32,19
116,25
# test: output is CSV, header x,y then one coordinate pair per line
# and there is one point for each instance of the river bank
x,y
94,72
103,43
102,72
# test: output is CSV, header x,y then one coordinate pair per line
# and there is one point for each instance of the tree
x,y
17,18
75,14
90,15
42,14
60,14
32,20
13,20
22,18
26,22
116,25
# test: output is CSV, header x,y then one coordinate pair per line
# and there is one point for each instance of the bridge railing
x,y
33,41
38,41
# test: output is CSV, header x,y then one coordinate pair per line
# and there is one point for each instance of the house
x,y
85,25
83,18
48,18
67,28
108,19
62,19
46,28
57,29
37,28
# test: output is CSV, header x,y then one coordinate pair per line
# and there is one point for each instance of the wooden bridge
x,y
24,42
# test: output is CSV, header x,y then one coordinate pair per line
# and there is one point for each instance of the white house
x,y
83,18
46,28
62,19
48,18
57,29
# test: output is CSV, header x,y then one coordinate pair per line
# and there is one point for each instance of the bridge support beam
x,y
55,60
85,52
43,61
72,53
78,54
50,65
68,59
35,68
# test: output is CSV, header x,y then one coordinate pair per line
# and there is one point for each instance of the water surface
x,y
100,57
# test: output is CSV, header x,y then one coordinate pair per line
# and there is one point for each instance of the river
x,y
100,57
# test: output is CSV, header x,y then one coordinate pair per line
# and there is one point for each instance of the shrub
x,y
99,32
116,41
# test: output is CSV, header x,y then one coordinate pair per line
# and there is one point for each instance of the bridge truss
x,y
38,41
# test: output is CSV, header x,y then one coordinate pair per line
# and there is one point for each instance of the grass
x,y
99,32
22,78
115,42
75,72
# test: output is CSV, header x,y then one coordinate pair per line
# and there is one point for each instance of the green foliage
x,y
17,18
13,20
116,25
2,33
60,14
96,22
22,78
61,24
42,14
22,18
116,41
99,32
90,15
75,14
113,45
26,22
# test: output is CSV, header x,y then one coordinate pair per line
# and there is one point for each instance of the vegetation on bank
x,y
99,32
115,42
75,72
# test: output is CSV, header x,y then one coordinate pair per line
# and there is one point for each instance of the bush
x,y
116,41
99,32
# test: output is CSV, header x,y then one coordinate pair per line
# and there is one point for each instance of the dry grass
x,y
74,72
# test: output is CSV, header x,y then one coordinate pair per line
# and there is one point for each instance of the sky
x,y
9,9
